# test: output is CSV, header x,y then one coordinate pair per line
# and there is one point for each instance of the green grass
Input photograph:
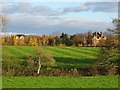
x,y
65,56
61,82
1,82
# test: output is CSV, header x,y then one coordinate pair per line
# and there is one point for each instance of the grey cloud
x,y
95,7
102,6
77,9
26,7
42,10
47,11
21,7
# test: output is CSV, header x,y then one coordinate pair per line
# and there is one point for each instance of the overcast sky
x,y
69,17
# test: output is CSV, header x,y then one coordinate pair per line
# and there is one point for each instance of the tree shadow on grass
x,y
68,60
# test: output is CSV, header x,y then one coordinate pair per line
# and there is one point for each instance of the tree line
x,y
91,39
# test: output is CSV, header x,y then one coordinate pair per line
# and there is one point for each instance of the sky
x,y
68,17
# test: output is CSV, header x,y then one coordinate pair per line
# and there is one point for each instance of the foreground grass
x,y
0,82
60,82
68,57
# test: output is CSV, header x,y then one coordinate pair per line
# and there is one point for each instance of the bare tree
x,y
3,22
3,19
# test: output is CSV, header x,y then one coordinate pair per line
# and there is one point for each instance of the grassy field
x,y
61,82
64,56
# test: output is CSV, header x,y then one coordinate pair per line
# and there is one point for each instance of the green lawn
x,y
64,56
61,82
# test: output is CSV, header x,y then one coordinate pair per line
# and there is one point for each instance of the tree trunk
x,y
39,67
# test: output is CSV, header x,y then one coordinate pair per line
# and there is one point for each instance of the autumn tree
x,y
7,40
51,41
89,38
27,39
78,39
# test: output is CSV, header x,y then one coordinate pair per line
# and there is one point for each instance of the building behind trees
x,y
91,39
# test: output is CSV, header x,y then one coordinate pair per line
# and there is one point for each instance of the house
x,y
98,38
19,39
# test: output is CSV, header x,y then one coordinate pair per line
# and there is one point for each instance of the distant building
x,y
97,38
19,36
19,39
